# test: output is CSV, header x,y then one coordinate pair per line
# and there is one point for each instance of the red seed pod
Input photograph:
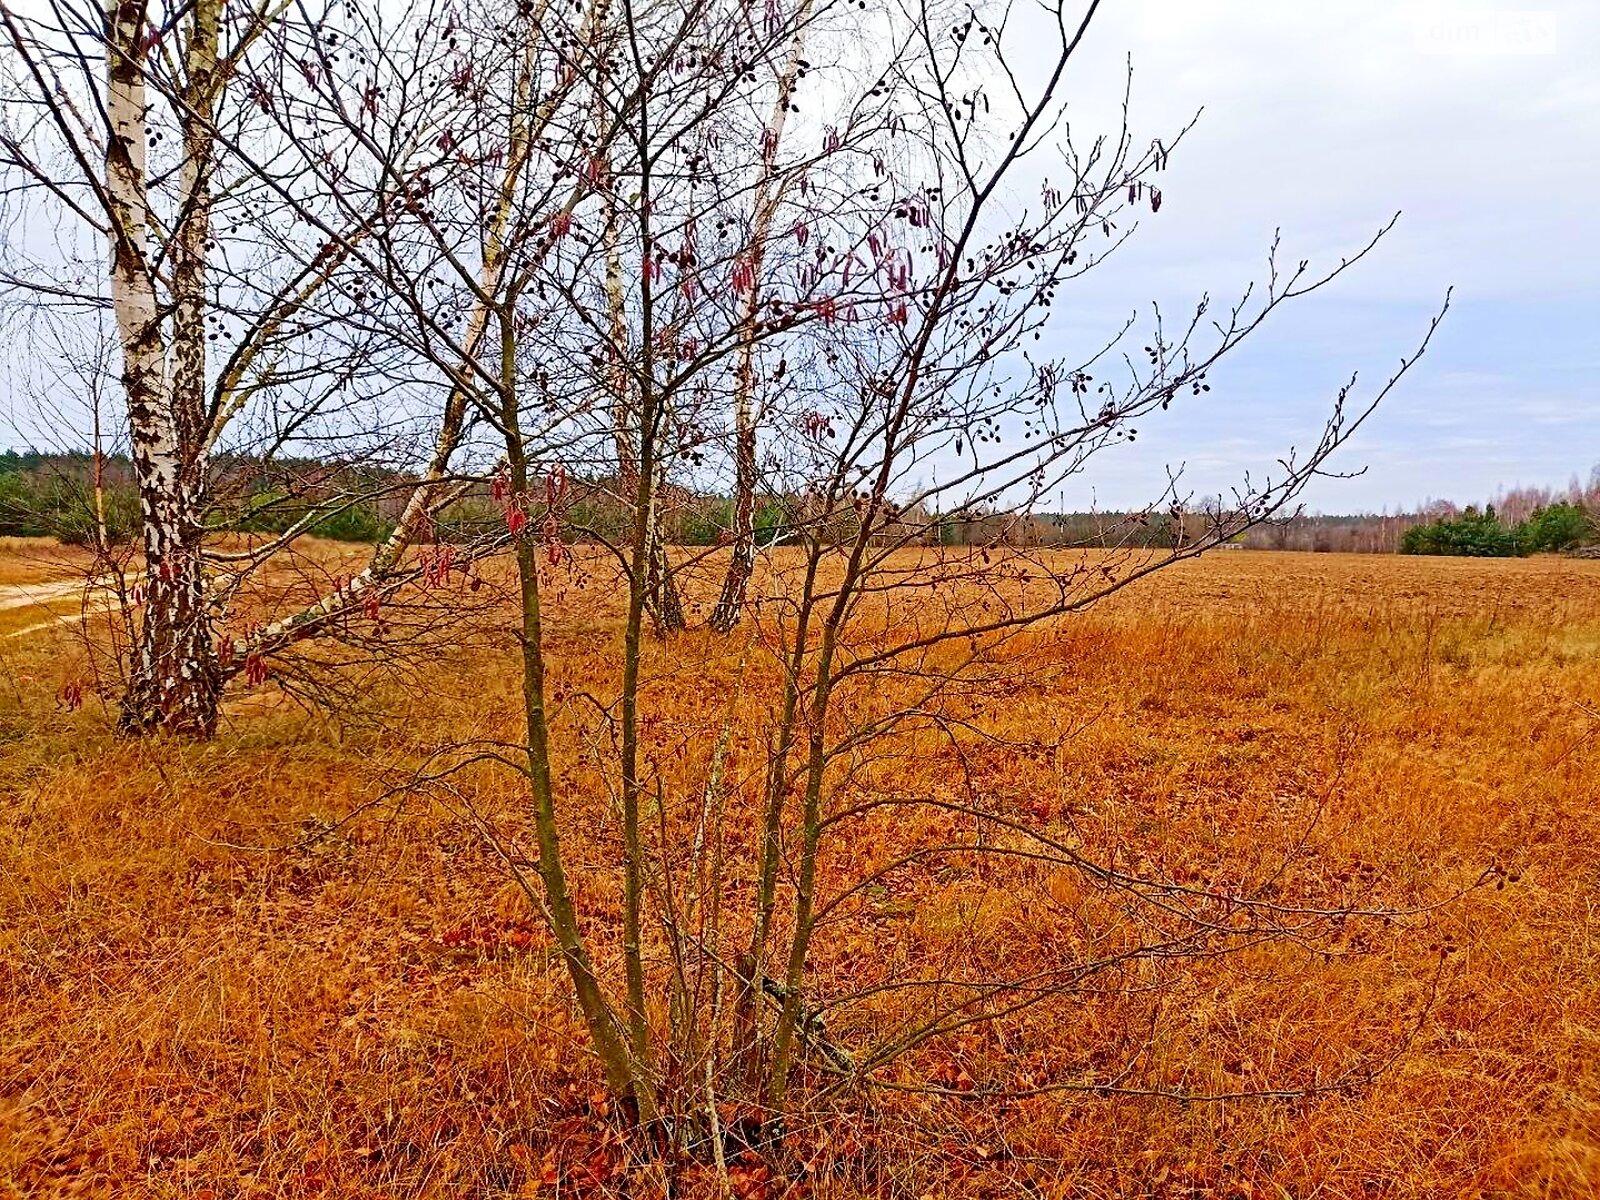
x,y
71,696
436,566
555,486
255,670
900,273
371,606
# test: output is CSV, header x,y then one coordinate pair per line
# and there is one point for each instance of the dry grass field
x,y
198,997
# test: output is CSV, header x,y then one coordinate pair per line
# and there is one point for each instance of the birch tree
x,y
247,210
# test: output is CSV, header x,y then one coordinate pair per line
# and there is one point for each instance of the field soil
x,y
271,966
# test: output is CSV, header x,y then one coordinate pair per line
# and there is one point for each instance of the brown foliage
x,y
254,968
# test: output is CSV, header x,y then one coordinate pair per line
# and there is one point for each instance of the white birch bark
x,y
730,603
173,682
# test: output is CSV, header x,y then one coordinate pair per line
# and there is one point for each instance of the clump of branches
x,y
827,285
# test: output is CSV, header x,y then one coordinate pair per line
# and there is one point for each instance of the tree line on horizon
x,y
68,496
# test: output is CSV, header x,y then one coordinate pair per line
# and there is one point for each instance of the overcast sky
x,y
1480,124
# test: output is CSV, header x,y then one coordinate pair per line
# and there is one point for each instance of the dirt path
x,y
23,595
43,596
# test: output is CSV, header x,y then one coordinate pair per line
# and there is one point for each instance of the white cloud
x,y
1481,123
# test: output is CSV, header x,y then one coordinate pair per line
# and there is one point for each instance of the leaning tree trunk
x,y
431,490
174,681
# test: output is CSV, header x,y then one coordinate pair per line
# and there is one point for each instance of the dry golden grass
x,y
374,1013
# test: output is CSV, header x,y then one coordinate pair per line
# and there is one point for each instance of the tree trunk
x,y
661,590
431,489
174,683
730,603
626,1074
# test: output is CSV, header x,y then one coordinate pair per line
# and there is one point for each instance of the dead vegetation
x,y
261,966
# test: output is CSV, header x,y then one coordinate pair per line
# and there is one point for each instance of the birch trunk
x,y
174,683
730,603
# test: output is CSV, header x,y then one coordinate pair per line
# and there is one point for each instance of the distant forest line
x,y
71,496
